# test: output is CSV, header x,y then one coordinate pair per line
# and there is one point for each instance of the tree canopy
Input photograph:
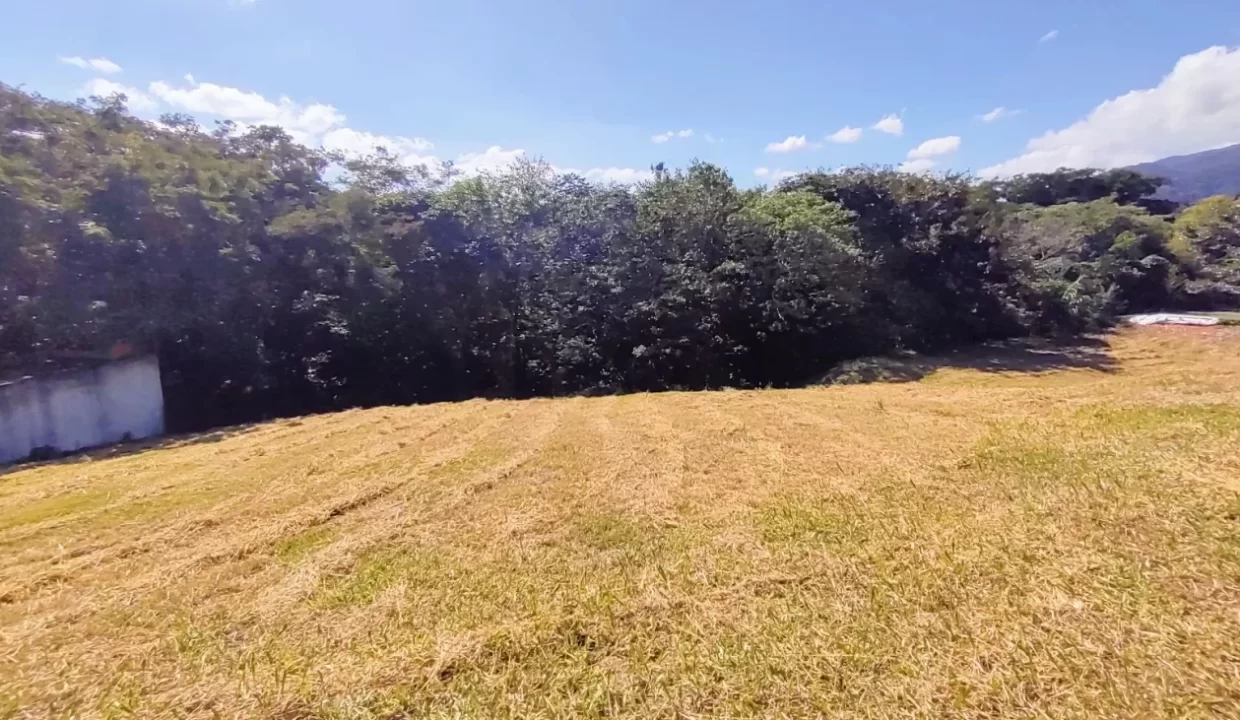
x,y
275,279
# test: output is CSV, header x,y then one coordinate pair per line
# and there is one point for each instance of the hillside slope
x,y
1047,533
1198,176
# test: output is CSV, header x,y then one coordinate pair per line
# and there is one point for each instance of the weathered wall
x,y
81,409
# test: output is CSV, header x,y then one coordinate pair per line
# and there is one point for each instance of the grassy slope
x,y
978,543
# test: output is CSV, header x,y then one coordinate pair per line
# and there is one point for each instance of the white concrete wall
x,y
82,409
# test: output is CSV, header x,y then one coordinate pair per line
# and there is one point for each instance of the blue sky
x,y
589,85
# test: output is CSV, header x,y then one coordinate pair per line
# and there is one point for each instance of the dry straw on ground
x,y
1029,533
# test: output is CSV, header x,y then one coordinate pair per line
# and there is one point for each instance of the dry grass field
x,y
1011,534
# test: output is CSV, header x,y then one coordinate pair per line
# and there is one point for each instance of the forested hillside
x,y
1189,178
273,279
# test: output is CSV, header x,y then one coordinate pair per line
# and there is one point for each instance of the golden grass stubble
x,y
975,543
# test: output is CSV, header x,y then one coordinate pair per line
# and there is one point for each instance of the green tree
x,y
1120,256
274,279
1209,234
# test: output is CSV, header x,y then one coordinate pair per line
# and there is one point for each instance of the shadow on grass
x,y
126,448
1027,355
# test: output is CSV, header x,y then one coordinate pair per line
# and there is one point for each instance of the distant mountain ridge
x,y
1201,175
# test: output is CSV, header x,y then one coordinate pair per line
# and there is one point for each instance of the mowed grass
x,y
1058,537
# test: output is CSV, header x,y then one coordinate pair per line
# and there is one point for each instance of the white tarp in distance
x,y
1172,319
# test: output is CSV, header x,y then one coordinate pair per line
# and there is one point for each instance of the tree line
x,y
274,279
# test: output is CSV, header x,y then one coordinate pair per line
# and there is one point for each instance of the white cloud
x,y
137,100
314,125
1049,36
355,143
493,159
623,176
323,125
664,137
775,175
1195,107
791,144
845,134
306,124
618,175
998,114
102,65
935,147
918,165
890,124
358,141
711,138
922,158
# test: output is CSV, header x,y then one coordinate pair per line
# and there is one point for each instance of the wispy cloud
x,y
102,65
664,137
1049,36
998,114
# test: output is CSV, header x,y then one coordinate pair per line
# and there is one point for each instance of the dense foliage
x,y
273,279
